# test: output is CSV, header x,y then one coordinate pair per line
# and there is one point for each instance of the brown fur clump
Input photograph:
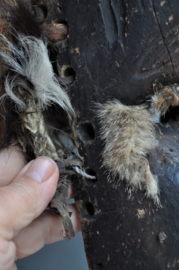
x,y
164,98
128,134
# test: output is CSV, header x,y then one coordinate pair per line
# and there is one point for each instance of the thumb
x,y
27,196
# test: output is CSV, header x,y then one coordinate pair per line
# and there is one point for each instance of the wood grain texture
x,y
118,49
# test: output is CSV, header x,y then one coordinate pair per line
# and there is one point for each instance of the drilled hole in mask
x,y
60,8
100,266
90,208
86,131
40,13
91,172
172,115
67,74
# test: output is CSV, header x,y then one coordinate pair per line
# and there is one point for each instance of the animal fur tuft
x,y
27,57
128,134
164,98
31,65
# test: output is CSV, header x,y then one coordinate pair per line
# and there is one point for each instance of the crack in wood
x,y
162,35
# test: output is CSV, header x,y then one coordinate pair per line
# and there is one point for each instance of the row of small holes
x,y
86,129
87,134
41,13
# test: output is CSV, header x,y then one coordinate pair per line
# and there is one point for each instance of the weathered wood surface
x,y
117,49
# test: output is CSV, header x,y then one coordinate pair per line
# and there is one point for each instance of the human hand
x,y
25,191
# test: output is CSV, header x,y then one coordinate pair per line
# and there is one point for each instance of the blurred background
x,y
63,255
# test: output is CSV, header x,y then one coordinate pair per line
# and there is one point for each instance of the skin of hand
x,y
25,191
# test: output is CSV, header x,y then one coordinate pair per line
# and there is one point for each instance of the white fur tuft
x,y
30,60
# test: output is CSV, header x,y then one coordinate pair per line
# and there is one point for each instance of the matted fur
x,y
164,98
128,134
